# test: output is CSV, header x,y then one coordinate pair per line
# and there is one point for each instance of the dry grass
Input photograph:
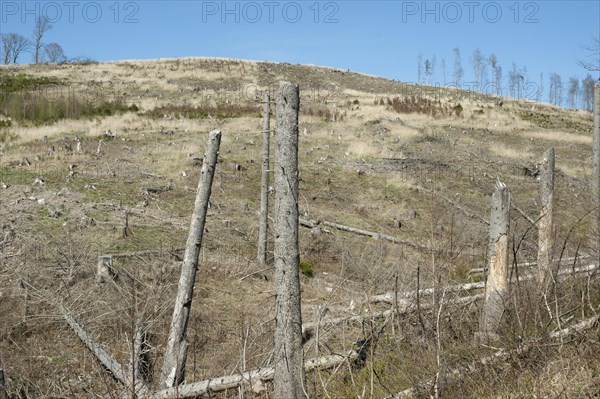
x,y
504,151
561,137
374,166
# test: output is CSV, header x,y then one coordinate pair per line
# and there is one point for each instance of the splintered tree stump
x,y
173,368
264,184
545,223
496,286
105,271
595,232
3,391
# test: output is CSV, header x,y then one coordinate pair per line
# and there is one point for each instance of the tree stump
x,y
105,271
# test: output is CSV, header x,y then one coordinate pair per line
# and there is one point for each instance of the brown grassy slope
x,y
369,167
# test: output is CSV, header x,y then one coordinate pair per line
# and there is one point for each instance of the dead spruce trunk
x,y
288,357
175,356
545,226
496,286
3,391
264,185
596,171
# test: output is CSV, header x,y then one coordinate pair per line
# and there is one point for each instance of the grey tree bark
x,y
104,270
288,357
546,223
264,184
496,286
176,352
596,171
252,379
3,392
103,356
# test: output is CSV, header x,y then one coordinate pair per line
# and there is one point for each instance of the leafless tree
x,y
419,68
444,70
573,92
42,25
555,90
592,61
458,69
540,90
478,61
54,53
428,71
5,49
13,46
587,92
496,73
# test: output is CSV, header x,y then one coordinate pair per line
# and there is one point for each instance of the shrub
x,y
420,105
307,268
219,111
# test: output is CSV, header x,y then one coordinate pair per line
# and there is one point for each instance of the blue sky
x,y
378,37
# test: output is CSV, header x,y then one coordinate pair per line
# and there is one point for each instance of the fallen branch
x,y
103,356
404,307
146,252
389,297
376,236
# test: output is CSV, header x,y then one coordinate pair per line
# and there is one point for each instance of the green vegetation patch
x,y
219,111
22,82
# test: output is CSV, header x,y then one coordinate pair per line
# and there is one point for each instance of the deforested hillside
x,y
99,169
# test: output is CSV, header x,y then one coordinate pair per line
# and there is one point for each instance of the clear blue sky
x,y
378,37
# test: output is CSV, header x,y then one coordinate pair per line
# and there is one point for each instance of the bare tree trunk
x,y
289,357
175,356
3,391
264,185
546,222
596,171
496,286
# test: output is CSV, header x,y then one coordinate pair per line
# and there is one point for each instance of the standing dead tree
x,y
3,392
176,352
596,171
288,357
496,285
545,226
264,184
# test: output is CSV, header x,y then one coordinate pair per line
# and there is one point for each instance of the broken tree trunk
x,y
288,356
545,226
105,271
3,391
175,355
254,378
264,184
496,285
595,233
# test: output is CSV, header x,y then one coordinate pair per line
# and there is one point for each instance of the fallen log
x,y
499,355
403,307
389,297
111,364
253,379
314,223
